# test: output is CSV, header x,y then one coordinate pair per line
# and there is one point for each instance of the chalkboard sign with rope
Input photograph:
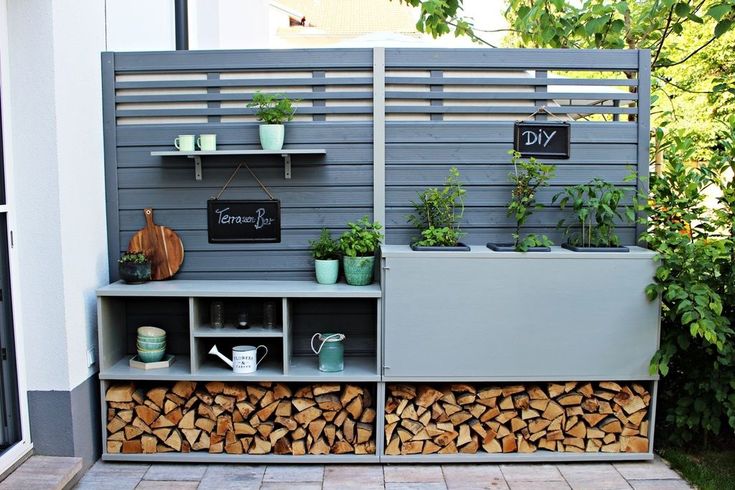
x,y
542,139
244,221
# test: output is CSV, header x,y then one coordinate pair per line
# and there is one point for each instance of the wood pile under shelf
x,y
566,417
241,418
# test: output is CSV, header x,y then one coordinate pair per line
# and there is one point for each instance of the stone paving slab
x,y
654,475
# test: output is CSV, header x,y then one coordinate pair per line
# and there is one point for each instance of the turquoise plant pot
x,y
326,271
359,270
271,136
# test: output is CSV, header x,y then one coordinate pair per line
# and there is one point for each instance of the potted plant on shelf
x,y
273,110
527,177
358,245
437,214
326,257
595,207
134,267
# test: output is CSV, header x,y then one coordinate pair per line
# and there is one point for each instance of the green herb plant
x,y
595,206
272,108
437,213
325,247
134,257
527,177
361,239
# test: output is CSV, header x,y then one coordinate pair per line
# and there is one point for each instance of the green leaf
x,y
722,27
718,11
682,9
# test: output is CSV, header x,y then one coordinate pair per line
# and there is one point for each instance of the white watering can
x,y
244,358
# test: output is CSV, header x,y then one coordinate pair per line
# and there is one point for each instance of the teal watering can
x,y
331,351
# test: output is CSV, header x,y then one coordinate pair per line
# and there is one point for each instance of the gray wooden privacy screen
x,y
392,121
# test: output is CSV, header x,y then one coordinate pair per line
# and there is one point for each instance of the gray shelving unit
x,y
182,308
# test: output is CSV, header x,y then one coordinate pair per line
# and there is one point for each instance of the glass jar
x,y
269,314
217,314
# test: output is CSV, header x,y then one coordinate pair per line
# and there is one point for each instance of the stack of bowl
x,y
151,344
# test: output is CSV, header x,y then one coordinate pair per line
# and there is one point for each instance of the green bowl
x,y
151,345
151,355
151,333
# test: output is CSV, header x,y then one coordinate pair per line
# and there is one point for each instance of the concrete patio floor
x,y
593,476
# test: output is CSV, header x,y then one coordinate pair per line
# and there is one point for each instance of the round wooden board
x,y
161,245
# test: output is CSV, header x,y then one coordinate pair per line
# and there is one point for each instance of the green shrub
x,y
134,257
527,177
696,281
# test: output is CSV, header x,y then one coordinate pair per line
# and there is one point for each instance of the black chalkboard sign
x,y
542,139
244,221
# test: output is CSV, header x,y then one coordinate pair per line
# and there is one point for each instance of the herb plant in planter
x,y
527,177
595,207
134,267
326,257
358,245
273,110
437,214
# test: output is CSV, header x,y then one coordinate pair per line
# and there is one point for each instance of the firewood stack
x,y
239,418
568,417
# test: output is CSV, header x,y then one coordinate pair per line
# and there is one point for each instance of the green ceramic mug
x,y
184,142
207,142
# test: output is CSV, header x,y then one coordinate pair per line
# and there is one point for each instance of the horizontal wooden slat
x,y
510,95
452,154
153,178
302,197
508,81
155,98
243,82
519,59
337,154
195,217
252,59
564,109
222,111
478,195
316,133
501,132
434,175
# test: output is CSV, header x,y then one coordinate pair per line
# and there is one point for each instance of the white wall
x,y
140,25
56,155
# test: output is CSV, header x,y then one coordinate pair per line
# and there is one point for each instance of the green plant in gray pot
x,y
325,250
596,209
437,214
134,267
358,245
273,110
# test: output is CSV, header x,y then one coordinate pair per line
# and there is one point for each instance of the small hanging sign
x,y
244,221
542,139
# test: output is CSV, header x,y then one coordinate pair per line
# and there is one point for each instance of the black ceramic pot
x,y
135,273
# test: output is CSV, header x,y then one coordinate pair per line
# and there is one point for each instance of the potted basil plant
x,y
358,245
134,267
596,209
273,110
437,214
325,250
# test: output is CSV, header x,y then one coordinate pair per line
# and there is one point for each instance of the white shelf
x,y
197,156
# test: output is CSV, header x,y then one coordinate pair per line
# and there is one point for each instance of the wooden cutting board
x,y
161,245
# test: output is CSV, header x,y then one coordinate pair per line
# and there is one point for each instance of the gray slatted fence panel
x,y
443,108
457,107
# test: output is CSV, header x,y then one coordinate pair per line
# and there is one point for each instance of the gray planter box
x,y
554,316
